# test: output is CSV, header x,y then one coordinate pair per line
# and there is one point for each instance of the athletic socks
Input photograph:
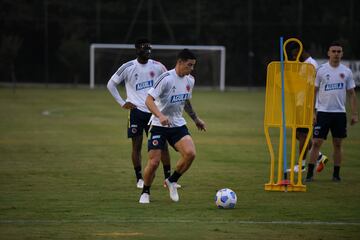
x,y
174,177
336,171
146,189
310,172
167,171
138,173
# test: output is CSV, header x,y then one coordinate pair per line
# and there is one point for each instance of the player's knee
x,y
137,146
316,144
337,144
190,154
154,163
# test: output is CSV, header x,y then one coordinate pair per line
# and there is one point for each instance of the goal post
x,y
211,60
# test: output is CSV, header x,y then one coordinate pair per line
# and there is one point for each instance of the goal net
x,y
209,71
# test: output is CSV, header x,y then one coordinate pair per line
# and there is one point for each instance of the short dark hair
x,y
141,41
185,54
335,43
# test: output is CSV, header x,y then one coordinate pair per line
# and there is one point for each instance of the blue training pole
x,y
283,105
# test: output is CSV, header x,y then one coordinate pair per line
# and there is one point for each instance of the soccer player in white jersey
x,y
333,82
167,99
139,75
301,133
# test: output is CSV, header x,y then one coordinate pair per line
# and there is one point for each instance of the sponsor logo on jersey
x,y
334,86
143,85
179,98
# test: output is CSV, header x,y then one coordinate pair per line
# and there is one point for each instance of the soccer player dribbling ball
x,y
167,99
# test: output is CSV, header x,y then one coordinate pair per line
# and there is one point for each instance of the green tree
x,y
9,49
73,53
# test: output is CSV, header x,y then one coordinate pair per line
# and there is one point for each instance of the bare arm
x,y
353,106
200,124
150,103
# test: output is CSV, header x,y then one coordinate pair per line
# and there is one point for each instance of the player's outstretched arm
x,y
200,124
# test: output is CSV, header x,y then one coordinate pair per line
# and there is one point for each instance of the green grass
x,y
68,174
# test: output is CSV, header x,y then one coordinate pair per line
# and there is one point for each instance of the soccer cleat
x,y
296,168
140,183
144,198
336,179
176,185
321,163
172,190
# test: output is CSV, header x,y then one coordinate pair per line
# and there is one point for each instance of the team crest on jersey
x,y
152,74
188,88
342,75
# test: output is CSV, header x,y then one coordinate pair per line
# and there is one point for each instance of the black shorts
x,y
335,122
138,122
159,136
302,130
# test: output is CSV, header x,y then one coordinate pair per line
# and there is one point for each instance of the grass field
x,y
65,173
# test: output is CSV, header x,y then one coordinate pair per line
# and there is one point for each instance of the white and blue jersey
x,y
170,92
138,78
333,84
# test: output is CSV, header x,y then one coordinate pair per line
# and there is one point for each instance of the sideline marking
x,y
3,221
123,234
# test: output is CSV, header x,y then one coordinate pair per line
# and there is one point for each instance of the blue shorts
x,y
138,122
335,122
159,136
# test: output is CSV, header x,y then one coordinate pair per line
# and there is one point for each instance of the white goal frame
x,y
222,50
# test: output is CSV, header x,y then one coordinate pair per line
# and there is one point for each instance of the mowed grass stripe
x,y
156,220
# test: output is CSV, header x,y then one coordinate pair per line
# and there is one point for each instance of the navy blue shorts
x,y
138,122
335,122
302,130
159,136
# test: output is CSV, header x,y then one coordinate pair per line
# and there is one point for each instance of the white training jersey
x,y
138,79
170,93
316,66
333,83
312,61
